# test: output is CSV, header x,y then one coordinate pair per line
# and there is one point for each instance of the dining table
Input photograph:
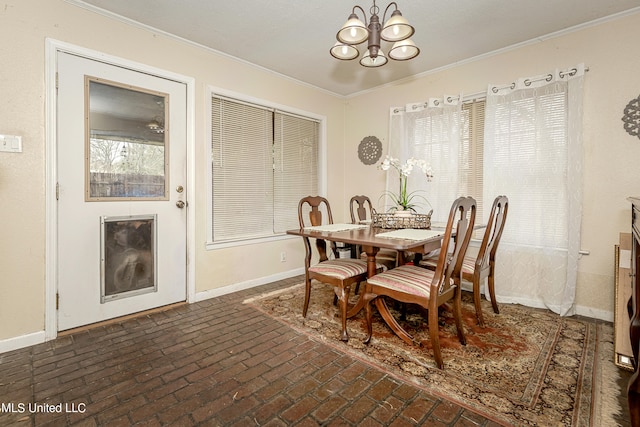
x,y
371,239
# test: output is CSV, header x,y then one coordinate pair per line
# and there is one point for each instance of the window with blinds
x,y
470,155
295,166
263,161
529,154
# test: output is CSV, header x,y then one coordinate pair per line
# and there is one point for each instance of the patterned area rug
x,y
526,367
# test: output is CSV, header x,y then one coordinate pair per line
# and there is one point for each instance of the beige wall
x,y
24,26
611,171
610,175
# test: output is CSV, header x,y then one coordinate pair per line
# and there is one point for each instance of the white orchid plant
x,y
403,200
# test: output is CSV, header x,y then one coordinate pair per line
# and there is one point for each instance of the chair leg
x,y
307,295
435,338
403,311
368,312
492,291
343,298
457,315
477,302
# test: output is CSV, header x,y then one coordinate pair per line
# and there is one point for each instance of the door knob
x,y
180,204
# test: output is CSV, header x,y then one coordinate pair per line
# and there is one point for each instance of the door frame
x,y
52,48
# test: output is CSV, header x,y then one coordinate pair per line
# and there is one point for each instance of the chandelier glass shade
x,y
344,51
404,50
353,31
373,61
397,30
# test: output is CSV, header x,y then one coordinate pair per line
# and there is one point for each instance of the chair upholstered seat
x,y
343,268
468,263
409,279
388,257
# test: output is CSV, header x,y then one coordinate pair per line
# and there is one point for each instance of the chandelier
x,y
156,125
354,32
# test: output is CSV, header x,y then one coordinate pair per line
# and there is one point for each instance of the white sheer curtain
x,y
431,131
533,154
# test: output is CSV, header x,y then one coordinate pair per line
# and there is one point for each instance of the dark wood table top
x,y
370,236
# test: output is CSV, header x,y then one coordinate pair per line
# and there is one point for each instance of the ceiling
x,y
293,38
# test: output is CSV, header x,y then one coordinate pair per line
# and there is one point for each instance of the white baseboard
x,y
39,337
22,341
212,293
27,340
595,314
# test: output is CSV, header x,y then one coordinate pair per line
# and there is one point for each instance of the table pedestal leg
x,y
371,271
381,304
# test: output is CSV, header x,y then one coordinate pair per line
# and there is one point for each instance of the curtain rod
x,y
465,99
481,95
527,82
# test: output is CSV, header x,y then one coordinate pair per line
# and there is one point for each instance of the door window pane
x,y
126,142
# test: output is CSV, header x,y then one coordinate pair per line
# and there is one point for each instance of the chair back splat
x,y
493,232
361,209
315,204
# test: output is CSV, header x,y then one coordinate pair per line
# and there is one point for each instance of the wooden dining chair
x,y
361,209
477,269
340,273
429,289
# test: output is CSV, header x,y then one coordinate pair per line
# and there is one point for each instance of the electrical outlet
x,y
283,256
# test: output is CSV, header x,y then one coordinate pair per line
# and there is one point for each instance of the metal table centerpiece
x,y
401,219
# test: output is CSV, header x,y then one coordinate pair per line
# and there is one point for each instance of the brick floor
x,y
216,363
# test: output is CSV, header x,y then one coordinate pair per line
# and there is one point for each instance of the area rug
x,y
526,367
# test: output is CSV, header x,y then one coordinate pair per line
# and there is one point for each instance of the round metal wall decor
x,y
631,117
370,150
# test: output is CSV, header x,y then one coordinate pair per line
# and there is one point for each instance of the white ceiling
x,y
293,37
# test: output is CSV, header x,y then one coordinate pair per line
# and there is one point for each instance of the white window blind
x,y
471,153
528,158
295,166
263,162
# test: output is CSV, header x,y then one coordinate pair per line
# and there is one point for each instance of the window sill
x,y
212,246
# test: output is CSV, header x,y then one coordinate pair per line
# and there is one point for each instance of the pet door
x,y
128,256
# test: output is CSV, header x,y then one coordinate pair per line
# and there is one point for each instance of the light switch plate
x,y
11,143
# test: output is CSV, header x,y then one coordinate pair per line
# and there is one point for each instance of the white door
x,y
121,166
